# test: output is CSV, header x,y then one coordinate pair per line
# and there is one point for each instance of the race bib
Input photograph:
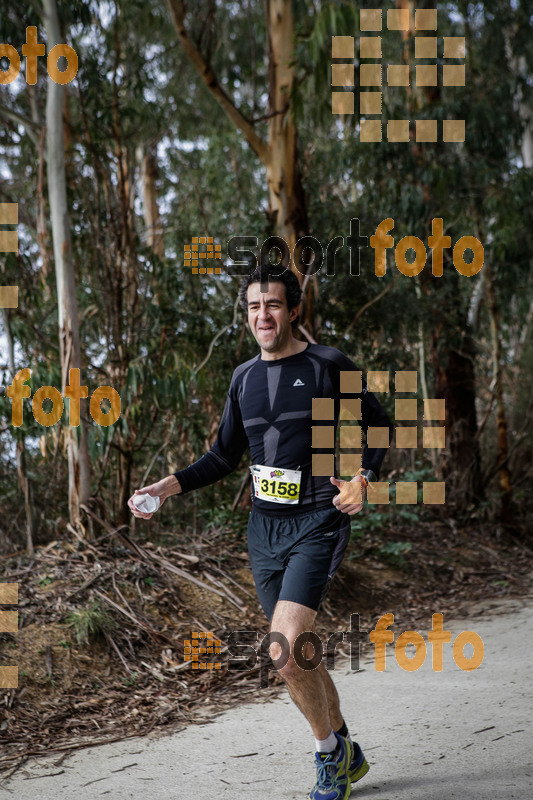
x,y
276,485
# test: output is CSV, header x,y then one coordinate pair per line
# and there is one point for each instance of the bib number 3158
x,y
276,485
279,488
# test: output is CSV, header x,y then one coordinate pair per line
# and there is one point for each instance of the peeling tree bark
x,y
287,205
69,342
152,219
22,473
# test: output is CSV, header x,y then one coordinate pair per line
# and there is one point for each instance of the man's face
x,y
269,317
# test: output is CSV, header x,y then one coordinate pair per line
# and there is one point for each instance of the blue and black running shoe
x,y
332,781
358,765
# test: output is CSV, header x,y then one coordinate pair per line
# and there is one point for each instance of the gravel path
x,y
427,736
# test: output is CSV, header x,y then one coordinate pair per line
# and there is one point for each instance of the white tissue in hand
x,y
146,503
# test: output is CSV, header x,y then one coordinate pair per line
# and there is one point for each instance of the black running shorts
x,y
295,558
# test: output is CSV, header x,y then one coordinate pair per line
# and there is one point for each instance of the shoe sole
x,y
359,773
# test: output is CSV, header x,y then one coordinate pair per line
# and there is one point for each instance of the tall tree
x,y
69,338
279,152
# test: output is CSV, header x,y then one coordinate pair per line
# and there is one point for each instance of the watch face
x,y
368,475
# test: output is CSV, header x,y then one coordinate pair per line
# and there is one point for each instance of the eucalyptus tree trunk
x,y
504,474
152,218
453,366
462,462
279,154
69,341
22,472
422,362
519,67
287,205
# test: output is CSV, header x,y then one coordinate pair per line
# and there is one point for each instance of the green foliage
x,y
371,520
393,553
92,623
146,323
131,680
223,519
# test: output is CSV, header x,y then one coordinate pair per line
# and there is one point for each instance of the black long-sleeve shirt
x,y
269,410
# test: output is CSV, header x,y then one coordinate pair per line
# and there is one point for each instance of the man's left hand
x,y
351,496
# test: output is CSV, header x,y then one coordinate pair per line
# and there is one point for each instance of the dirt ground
x,y
119,668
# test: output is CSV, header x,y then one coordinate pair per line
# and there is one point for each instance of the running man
x,y
299,524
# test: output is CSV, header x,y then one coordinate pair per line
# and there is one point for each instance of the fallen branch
x,y
182,574
147,628
147,556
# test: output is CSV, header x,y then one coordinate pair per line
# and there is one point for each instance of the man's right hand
x,y
351,495
162,489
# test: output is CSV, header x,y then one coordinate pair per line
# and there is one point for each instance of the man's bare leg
x,y
312,690
335,715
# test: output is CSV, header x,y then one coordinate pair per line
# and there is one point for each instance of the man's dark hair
x,y
265,273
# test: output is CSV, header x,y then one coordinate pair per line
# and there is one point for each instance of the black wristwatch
x,y
368,476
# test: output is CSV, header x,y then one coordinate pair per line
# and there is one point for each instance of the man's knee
x,y
296,654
